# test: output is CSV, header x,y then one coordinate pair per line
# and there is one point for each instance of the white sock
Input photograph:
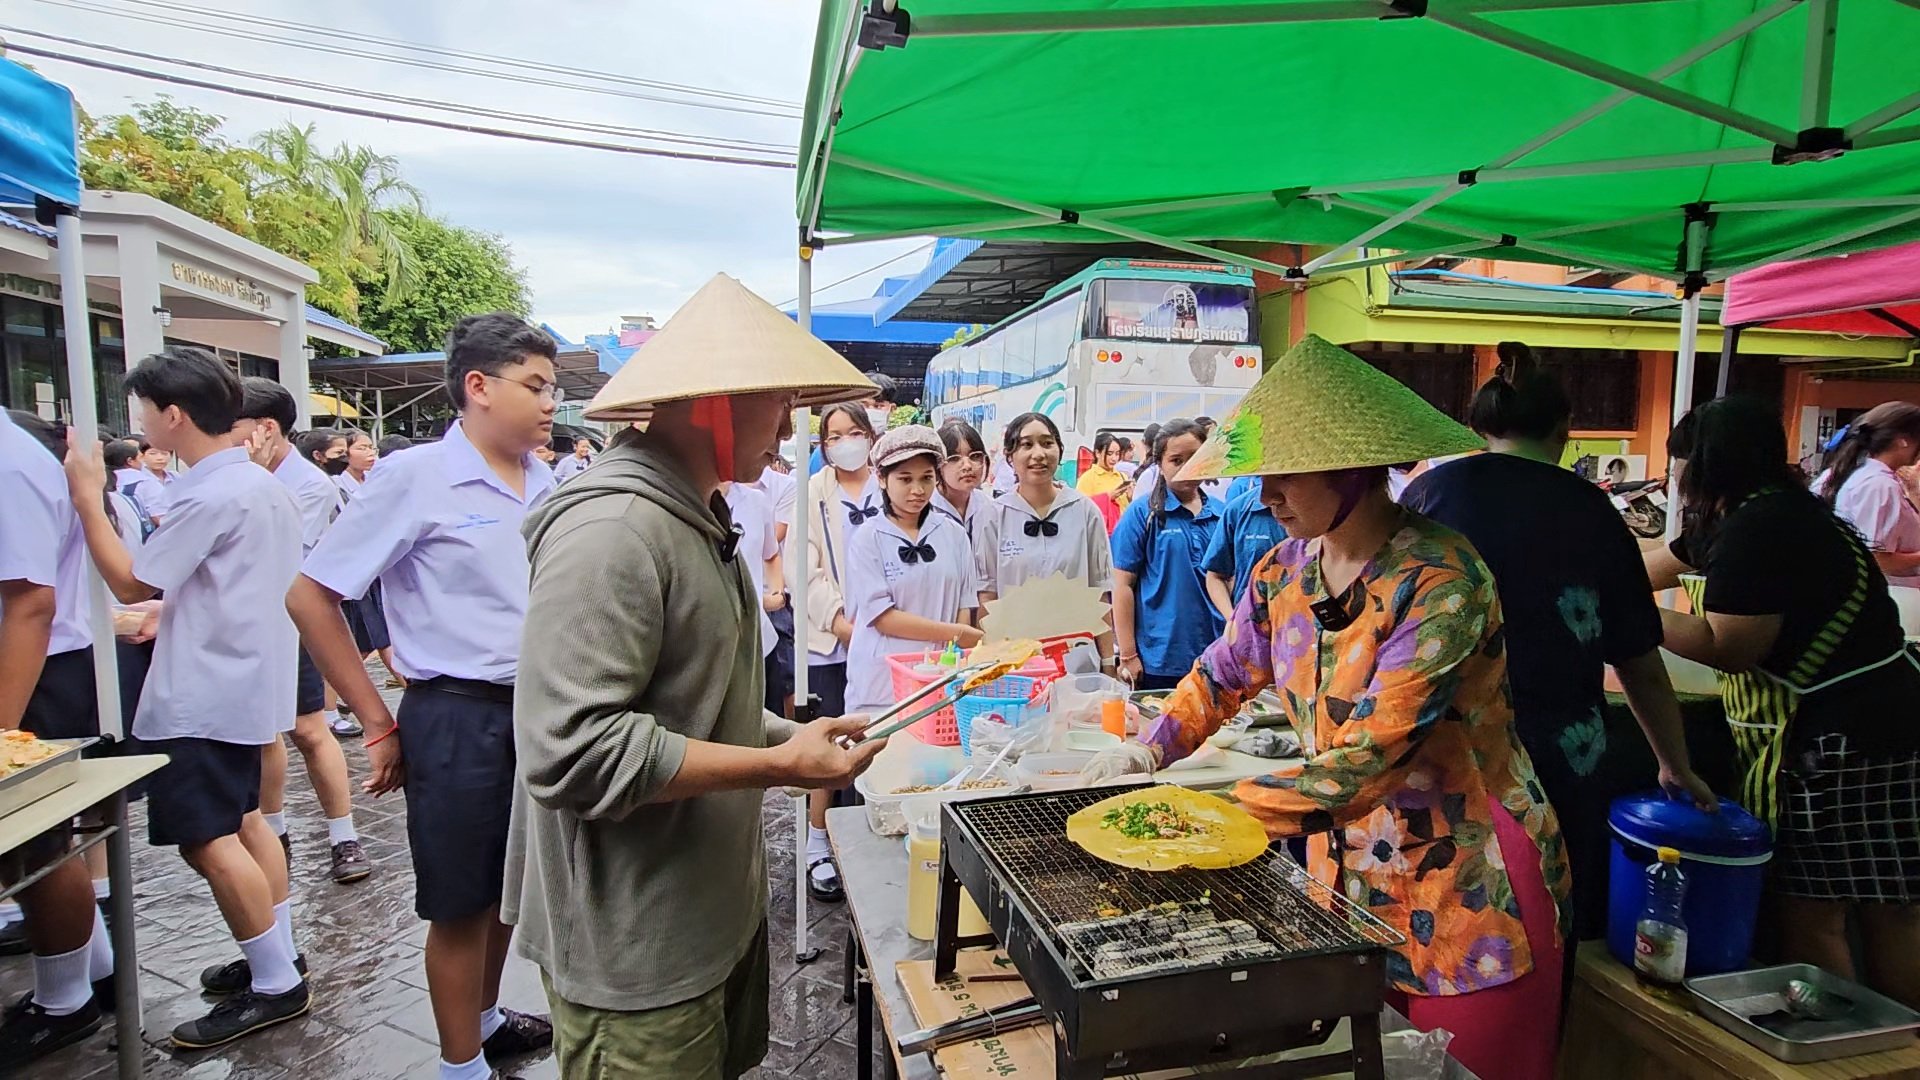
x,y
276,822
102,888
817,846
340,830
490,1021
283,925
60,983
477,1069
330,717
9,912
99,950
272,964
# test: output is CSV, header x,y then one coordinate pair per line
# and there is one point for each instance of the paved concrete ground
x,y
370,1016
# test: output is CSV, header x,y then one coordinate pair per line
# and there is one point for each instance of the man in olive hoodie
x,y
636,871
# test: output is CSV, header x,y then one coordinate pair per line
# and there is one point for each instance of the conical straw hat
x,y
1320,408
726,340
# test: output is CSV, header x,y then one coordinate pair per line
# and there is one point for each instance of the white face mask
x,y
879,417
849,453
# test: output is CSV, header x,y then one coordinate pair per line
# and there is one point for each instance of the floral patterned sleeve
x,y
1418,673
1238,665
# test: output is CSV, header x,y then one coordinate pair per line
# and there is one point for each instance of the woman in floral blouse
x,y
1381,632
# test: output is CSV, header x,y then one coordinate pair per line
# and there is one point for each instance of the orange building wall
x,y
1804,390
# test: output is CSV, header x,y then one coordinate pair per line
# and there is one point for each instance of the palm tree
x,y
361,191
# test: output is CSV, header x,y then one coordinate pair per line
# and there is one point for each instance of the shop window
x,y
1441,374
261,366
1603,384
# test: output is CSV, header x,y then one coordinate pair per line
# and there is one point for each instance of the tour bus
x,y
1120,345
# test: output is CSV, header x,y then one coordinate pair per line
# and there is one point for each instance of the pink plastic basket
x,y
942,728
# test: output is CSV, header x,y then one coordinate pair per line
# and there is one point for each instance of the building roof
x,y
341,332
8,221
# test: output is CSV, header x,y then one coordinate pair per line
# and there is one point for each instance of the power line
x,y
864,273
422,121
650,134
462,54
243,35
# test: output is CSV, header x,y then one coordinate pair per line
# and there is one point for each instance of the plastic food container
x,y
898,767
1050,772
1724,856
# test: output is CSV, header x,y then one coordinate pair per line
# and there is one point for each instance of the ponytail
x,y
1869,436
1521,400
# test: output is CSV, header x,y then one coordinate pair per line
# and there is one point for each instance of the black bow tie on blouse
x,y
858,514
913,553
1042,526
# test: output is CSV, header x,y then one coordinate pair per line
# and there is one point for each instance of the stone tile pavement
x,y
371,1019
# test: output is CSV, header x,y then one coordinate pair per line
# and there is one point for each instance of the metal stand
x,y
947,941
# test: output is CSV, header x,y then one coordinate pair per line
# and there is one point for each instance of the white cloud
x,y
601,234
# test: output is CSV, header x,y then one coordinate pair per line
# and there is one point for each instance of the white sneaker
x,y
345,727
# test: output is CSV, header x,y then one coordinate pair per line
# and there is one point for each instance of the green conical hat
x,y
1320,408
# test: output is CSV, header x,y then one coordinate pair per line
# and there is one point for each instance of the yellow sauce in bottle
x,y
923,883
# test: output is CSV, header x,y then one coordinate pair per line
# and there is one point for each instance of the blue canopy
x,y
38,157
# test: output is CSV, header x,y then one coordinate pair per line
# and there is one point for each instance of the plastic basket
x,y
942,728
1007,695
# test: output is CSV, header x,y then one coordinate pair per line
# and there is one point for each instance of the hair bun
x,y
1516,361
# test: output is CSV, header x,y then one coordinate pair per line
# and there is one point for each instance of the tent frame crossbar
x,y
1816,75
1218,15
1881,117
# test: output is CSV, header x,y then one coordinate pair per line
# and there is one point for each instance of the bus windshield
x,y
1174,311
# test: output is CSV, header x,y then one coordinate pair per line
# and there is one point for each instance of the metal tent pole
x,y
1683,369
802,705
82,402
1729,345
83,393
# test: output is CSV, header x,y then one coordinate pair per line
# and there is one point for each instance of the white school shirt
x,y
40,537
348,485
140,486
224,658
126,521
1875,502
314,493
976,506
752,511
830,532
878,580
441,533
1007,556
569,467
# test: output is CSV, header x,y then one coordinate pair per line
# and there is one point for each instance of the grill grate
x,y
1199,917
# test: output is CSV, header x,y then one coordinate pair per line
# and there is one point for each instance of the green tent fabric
x,y
1320,121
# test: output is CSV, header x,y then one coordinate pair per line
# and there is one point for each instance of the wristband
x,y
382,737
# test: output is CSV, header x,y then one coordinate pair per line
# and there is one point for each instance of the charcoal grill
x,y
1138,971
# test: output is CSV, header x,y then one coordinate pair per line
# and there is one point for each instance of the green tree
x,y
460,272
176,154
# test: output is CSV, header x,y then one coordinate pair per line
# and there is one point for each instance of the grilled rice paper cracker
x,y
1223,834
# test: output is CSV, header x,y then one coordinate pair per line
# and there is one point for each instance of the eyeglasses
x,y
543,391
975,458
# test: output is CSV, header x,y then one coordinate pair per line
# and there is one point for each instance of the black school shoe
x,y
29,1033
221,980
522,1034
242,1015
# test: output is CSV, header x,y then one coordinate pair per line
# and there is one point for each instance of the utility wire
x,y
422,121
462,54
787,113
652,134
863,273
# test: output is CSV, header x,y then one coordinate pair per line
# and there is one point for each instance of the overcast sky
x,y
601,234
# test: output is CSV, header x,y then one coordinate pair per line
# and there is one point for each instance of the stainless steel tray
x,y
1265,710
42,778
1734,999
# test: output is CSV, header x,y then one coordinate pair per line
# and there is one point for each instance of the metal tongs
x,y
1003,660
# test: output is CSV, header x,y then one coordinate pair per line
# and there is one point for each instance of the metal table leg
x,y
126,965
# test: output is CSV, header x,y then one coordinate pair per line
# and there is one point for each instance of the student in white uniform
x,y
1863,486
843,497
222,681
366,615
266,424
439,527
777,484
46,688
133,481
964,465
759,547
575,463
911,584
1038,528
360,458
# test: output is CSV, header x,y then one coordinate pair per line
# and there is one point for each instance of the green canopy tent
x,y
1688,139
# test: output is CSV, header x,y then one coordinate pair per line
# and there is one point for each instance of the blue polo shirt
x,y
1248,530
1175,621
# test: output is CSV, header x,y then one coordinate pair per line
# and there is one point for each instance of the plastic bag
x,y
1415,1055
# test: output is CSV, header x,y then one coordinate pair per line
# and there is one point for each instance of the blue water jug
x,y
1724,856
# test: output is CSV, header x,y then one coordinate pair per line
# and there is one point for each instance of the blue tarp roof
x,y
947,254
869,320
38,157
316,317
8,221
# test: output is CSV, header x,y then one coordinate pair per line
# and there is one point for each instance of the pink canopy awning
x,y
1832,294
